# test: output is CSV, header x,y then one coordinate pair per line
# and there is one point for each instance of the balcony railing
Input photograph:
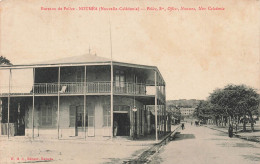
x,y
78,88
72,88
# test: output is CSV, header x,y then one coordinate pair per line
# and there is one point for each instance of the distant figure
x,y
115,128
191,123
230,131
182,126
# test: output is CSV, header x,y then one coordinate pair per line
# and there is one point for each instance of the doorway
x,y
20,121
18,107
122,121
79,119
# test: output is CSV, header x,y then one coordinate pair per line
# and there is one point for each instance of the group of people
x,y
197,123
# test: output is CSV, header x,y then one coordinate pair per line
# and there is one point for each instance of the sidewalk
x,y
118,150
249,136
142,140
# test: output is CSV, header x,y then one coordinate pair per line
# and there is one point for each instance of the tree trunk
x,y
244,123
237,123
252,122
252,126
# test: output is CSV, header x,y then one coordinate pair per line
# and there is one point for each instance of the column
x,y
111,99
33,105
58,122
84,119
8,115
155,104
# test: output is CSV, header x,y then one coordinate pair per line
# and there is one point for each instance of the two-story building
x,y
187,111
85,96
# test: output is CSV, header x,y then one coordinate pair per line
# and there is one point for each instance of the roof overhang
x,y
30,66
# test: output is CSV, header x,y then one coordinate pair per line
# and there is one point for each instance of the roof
x,y
87,58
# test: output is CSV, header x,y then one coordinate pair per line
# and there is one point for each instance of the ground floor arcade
x,y
65,119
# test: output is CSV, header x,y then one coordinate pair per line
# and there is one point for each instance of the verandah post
x,y
58,121
84,119
9,88
33,105
111,99
166,123
155,105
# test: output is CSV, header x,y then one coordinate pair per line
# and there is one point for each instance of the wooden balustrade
x,y
91,87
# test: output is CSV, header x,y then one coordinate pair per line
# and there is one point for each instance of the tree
x,y
203,111
174,112
236,101
3,60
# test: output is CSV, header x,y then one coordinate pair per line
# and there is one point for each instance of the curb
x,y
146,155
248,138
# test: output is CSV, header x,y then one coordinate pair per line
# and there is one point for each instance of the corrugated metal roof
x,y
76,60
87,58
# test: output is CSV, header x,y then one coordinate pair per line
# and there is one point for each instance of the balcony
x,y
78,88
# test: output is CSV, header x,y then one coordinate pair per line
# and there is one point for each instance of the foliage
x,y
234,102
3,60
203,111
174,111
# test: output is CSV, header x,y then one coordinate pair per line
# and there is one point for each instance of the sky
x,y
195,51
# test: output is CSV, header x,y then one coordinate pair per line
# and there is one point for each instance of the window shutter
x,y
72,115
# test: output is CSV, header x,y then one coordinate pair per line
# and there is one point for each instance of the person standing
x,y
230,131
115,128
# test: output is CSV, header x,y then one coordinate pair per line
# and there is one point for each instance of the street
x,y
201,145
23,150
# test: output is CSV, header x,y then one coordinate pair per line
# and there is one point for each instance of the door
x,y
79,119
121,124
76,118
120,81
91,120
20,120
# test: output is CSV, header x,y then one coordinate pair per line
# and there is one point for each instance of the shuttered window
x,y
79,110
106,116
46,118
72,116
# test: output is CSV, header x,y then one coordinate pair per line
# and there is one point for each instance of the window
x,y
91,115
80,116
80,75
120,78
121,108
46,116
106,116
77,116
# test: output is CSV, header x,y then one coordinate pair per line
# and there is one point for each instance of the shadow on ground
x,y
252,157
113,160
240,145
221,134
183,137
244,145
217,139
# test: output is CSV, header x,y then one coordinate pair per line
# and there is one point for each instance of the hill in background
x,y
192,103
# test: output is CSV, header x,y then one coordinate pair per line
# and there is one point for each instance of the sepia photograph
x,y
130,81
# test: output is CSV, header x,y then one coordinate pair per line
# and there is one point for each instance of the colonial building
x,y
187,111
85,96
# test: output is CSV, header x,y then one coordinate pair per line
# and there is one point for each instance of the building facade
x,y
187,111
85,96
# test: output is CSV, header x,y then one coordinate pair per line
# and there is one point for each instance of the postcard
x,y
129,81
